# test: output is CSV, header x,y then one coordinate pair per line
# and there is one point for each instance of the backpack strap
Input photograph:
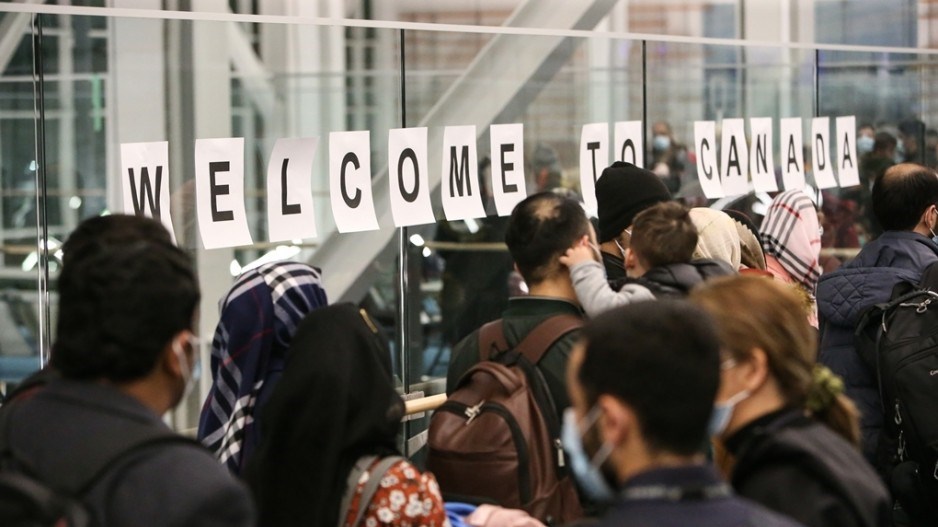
x,y
371,486
84,471
492,339
541,338
534,345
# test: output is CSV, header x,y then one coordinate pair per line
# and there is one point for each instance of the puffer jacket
x,y
676,280
893,258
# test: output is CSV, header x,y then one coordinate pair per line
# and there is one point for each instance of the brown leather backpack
x,y
497,437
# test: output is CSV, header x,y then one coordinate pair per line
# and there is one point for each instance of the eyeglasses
x,y
727,364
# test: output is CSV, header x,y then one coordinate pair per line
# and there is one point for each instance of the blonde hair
x,y
759,313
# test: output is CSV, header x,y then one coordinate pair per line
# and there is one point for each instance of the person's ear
x,y
616,420
631,261
754,370
174,352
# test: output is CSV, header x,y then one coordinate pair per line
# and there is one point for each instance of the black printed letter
x,y
592,147
146,191
216,190
409,197
792,155
628,145
459,172
706,145
352,202
821,155
286,208
507,167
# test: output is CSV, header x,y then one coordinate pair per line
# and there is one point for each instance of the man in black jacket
x,y
642,385
125,356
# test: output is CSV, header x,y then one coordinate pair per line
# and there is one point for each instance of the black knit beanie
x,y
622,191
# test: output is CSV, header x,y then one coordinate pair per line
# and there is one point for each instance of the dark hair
x,y
883,141
902,194
113,229
662,360
541,228
664,234
119,307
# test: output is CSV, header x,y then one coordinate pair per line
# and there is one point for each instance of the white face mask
x,y
191,371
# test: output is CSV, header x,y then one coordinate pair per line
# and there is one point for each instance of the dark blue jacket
x,y
842,296
691,508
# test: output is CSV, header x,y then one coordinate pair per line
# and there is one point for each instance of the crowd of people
x,y
667,366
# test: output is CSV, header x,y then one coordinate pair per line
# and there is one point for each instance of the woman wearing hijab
x,y
717,237
784,419
259,316
330,423
791,239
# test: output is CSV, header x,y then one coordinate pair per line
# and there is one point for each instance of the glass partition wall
x,y
78,83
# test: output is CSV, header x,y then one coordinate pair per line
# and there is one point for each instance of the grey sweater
x,y
594,293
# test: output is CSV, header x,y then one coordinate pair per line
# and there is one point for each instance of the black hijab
x,y
335,403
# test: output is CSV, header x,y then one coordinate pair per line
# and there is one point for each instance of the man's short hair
x,y
662,360
119,306
541,228
902,194
113,229
884,141
663,234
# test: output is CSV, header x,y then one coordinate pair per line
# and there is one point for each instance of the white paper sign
x,y
792,153
407,175
145,181
508,186
761,160
628,145
353,206
734,157
594,158
219,189
462,197
847,169
821,153
290,213
707,172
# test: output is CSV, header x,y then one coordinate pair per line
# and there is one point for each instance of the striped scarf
x,y
790,232
258,319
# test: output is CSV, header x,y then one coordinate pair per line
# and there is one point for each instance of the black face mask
x,y
615,266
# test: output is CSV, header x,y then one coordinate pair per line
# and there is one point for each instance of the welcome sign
x,y
219,173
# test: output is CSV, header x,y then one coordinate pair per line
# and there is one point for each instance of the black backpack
x,y
899,341
28,501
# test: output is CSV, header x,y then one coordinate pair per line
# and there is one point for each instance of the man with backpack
x,y
904,201
88,446
506,381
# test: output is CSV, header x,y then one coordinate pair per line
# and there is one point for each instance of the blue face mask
x,y
660,142
585,470
865,144
722,413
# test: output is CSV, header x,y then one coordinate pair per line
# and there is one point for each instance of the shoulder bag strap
x,y
368,492
351,485
545,334
492,339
